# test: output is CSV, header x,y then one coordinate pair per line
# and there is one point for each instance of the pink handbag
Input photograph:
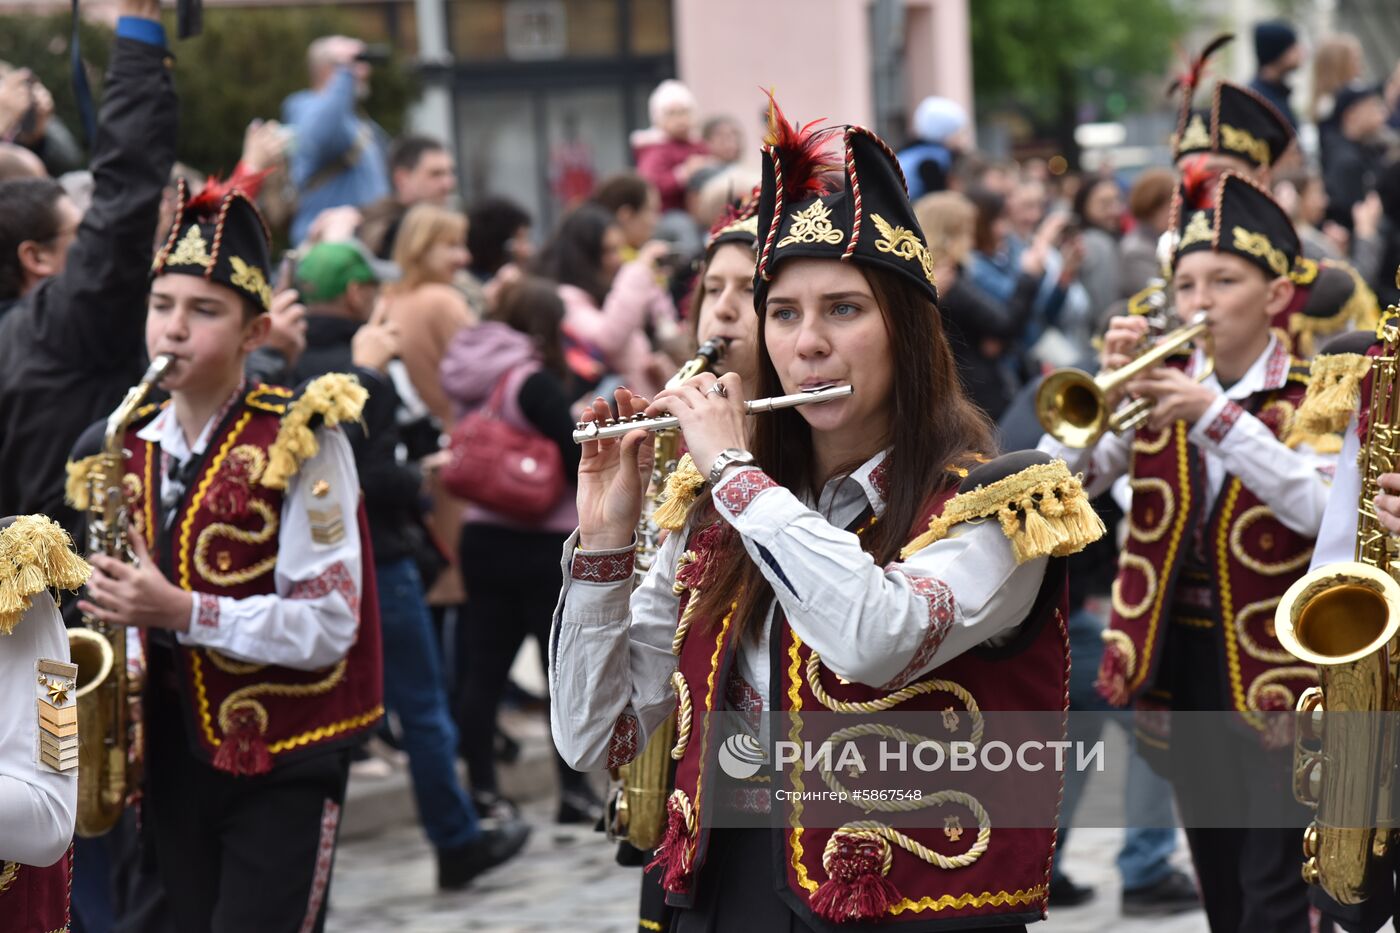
x,y
517,472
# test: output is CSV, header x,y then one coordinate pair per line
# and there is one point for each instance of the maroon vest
x,y
245,718
1225,571
35,900
1010,878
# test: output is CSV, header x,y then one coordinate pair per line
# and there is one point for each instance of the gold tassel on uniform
x,y
336,397
1042,511
682,488
1333,396
35,554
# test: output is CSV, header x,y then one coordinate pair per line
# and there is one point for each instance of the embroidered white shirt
x,y
610,648
37,805
1336,541
1293,482
312,618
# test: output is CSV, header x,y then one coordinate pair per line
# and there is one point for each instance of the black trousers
x,y
512,581
1249,876
239,854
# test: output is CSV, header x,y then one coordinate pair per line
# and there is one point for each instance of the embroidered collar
x,y
164,429
867,484
1268,372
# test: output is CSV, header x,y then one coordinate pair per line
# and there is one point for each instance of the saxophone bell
x,y
1344,618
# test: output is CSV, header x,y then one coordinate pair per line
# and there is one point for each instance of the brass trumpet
x,y
1073,406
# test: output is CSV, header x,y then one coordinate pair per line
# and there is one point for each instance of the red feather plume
x,y
208,201
805,156
1198,184
1190,79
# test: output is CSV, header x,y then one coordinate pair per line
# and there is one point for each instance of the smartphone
x,y
376,54
287,270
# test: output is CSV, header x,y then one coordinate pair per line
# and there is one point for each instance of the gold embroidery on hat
x,y
192,250
812,226
748,225
1256,244
1195,136
251,280
1197,231
904,244
1244,142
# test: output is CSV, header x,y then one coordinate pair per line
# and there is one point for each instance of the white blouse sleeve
x,y
312,619
37,804
1336,540
610,658
1293,482
882,626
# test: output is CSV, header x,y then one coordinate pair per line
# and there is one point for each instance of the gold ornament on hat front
x,y
812,225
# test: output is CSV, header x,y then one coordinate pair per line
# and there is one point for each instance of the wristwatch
x,y
726,457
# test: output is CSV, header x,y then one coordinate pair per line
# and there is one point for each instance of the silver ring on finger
x,y
718,389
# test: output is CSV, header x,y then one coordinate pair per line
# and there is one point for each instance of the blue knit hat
x,y
1271,39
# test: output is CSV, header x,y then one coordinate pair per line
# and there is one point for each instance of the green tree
x,y
1047,57
241,67
41,44
247,60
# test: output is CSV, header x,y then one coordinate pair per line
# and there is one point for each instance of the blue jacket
x,y
326,128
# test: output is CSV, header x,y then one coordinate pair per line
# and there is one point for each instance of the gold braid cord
x,y
873,829
1042,510
9,871
688,615
36,554
683,715
890,701
243,697
233,533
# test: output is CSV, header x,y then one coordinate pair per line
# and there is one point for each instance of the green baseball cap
x,y
325,271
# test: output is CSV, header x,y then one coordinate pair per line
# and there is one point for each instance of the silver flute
x,y
601,430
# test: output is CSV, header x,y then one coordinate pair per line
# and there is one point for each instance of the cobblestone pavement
x,y
567,880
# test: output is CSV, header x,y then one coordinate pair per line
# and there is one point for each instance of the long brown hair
x,y
531,305
935,428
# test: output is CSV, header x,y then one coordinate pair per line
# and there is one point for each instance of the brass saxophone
x,y
638,811
1345,618
106,690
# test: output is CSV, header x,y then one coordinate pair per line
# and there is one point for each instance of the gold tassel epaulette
x,y
334,397
75,488
1333,396
682,488
36,554
1042,509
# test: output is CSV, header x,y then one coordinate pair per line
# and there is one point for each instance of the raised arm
x,y
95,310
